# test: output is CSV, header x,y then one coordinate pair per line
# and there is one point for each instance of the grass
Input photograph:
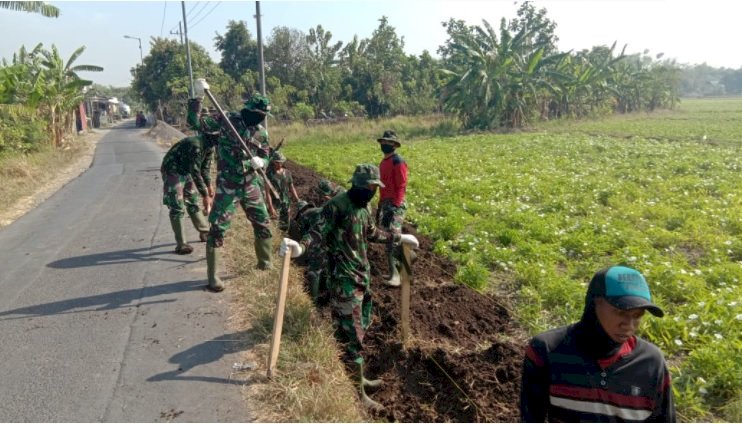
x,y
310,384
24,174
541,211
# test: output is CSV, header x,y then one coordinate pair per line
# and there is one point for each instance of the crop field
x,y
534,214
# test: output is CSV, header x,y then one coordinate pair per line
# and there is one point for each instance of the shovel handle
x,y
405,275
278,317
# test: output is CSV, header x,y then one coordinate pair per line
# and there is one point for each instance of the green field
x,y
537,213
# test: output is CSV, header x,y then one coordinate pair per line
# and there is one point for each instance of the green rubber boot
x,y
363,384
212,263
263,253
393,280
181,247
199,222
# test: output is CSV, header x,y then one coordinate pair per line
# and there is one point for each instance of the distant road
x,y
99,321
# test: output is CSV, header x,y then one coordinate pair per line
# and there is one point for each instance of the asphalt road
x,y
99,320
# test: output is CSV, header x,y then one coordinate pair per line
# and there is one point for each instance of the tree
x,y
239,50
322,73
39,7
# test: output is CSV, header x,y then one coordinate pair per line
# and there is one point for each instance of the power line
x,y
192,8
162,26
193,18
204,17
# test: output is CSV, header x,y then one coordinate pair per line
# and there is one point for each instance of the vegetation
x,y
538,213
39,7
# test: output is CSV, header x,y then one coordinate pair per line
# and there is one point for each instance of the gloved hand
x,y
292,245
409,240
257,163
199,86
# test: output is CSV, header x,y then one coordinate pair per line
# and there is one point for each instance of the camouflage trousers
x,y
250,197
391,219
284,219
179,194
317,267
351,313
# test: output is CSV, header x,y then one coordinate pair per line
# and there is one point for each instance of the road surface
x,y
99,320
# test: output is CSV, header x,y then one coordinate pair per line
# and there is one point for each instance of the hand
x,y
207,202
199,86
257,163
288,244
210,190
409,240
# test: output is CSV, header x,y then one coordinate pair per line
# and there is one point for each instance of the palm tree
x,y
32,7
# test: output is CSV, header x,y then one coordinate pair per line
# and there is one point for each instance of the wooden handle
x,y
405,275
278,317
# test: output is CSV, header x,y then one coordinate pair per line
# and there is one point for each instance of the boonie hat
x,y
366,174
390,135
279,157
625,288
325,187
260,104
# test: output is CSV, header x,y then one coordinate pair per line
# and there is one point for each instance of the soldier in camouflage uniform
x,y
281,179
346,226
239,181
186,173
308,217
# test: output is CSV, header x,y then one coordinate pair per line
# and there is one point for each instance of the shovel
x,y
405,275
278,317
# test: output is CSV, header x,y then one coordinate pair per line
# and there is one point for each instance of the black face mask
x,y
360,196
386,148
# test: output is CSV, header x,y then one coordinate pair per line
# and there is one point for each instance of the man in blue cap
x,y
598,370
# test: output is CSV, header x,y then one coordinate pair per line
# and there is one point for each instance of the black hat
x,y
624,288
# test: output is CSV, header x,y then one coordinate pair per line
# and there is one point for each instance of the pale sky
x,y
692,32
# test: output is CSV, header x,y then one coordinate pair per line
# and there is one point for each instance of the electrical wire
x,y
196,15
164,12
204,17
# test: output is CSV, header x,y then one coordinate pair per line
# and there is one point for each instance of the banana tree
x,y
63,88
39,7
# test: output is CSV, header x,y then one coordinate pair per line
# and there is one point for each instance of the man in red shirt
x,y
392,205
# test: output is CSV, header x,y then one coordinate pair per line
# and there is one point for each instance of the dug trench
x,y
463,362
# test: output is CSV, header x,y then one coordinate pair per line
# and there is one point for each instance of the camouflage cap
x,y
260,104
390,135
325,187
366,174
278,157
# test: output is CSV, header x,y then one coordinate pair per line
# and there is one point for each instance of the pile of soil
x,y
464,361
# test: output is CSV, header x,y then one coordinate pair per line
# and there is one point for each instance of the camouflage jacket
x,y
234,163
190,157
346,230
282,183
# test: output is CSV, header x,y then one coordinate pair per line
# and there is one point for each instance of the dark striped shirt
x,y
562,384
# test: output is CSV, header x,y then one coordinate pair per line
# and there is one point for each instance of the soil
x,y
463,363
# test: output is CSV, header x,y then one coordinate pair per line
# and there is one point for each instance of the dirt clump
x,y
465,356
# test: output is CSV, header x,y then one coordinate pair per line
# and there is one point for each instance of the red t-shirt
x,y
393,172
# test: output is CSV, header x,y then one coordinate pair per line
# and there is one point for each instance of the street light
x,y
141,60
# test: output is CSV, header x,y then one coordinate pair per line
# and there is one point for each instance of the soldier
x,y
238,180
392,205
281,179
346,226
327,190
186,174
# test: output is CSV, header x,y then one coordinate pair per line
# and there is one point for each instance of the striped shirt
x,y
562,384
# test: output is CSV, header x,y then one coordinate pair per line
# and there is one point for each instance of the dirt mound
x,y
458,368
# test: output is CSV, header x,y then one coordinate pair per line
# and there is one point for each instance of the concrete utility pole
x,y
188,50
260,48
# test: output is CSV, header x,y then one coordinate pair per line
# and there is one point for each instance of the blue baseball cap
x,y
624,288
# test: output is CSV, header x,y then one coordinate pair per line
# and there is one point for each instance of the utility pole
x,y
179,32
260,48
188,50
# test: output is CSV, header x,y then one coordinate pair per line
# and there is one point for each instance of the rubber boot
x,y
363,384
181,247
393,280
199,222
263,253
212,263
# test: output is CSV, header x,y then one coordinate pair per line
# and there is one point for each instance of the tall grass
x,y
541,211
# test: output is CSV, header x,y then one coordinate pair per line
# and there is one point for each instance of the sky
x,y
690,31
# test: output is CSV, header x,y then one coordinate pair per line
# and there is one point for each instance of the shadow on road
x,y
104,302
122,257
204,353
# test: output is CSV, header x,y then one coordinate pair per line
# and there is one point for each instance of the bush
x,y
302,112
21,130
